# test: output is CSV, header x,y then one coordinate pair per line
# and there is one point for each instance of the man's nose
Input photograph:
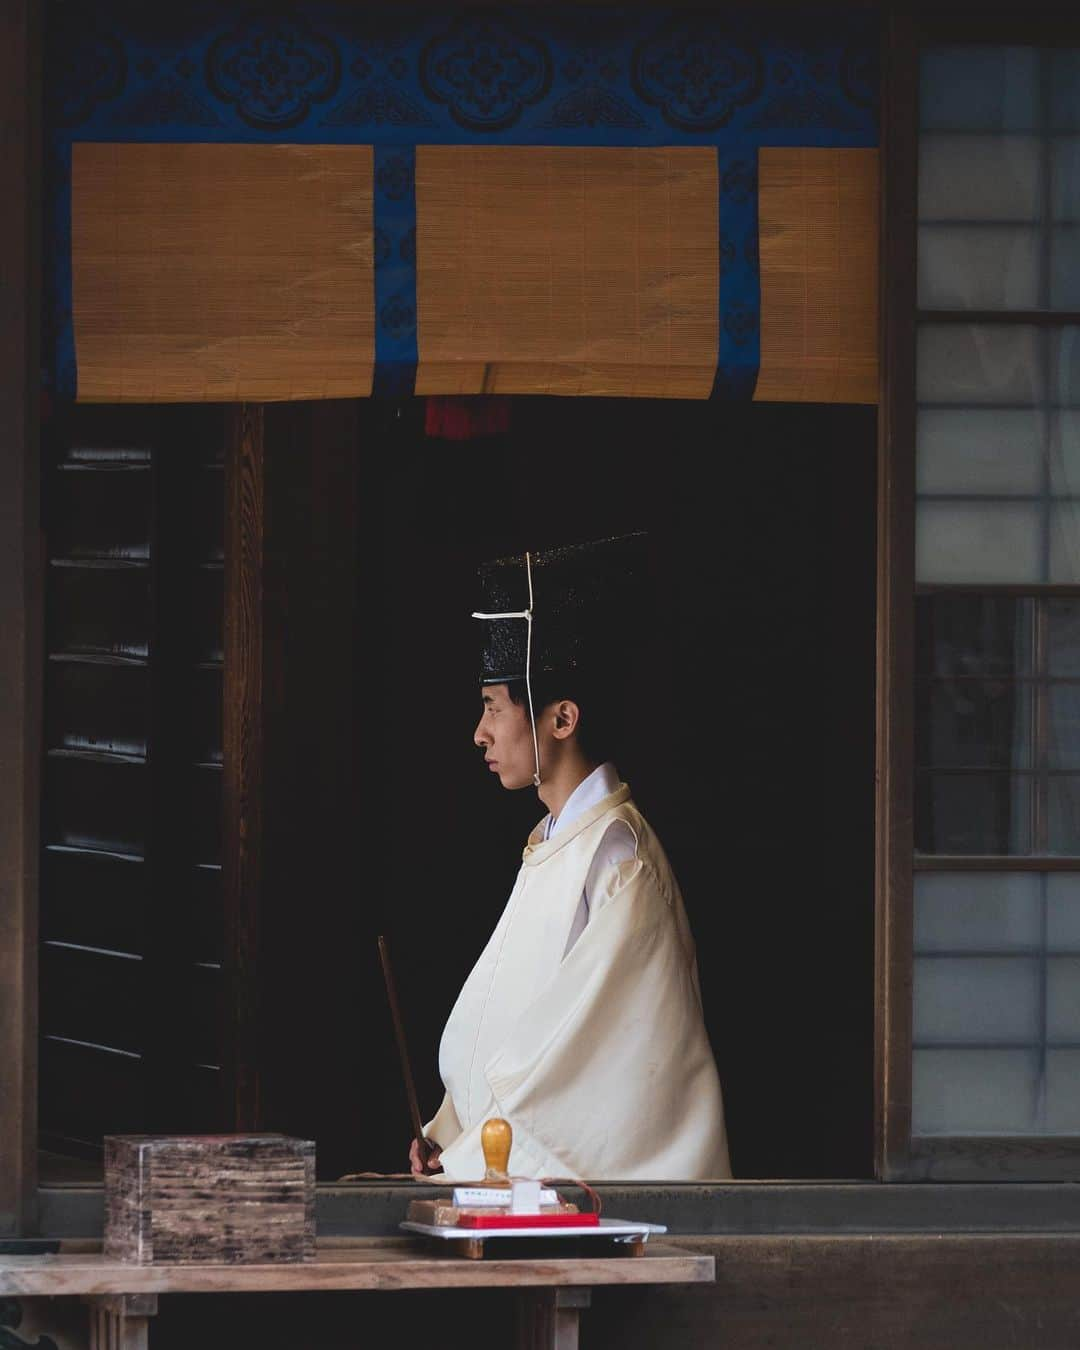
x,y
481,737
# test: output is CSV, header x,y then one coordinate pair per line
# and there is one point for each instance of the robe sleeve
x,y
444,1127
609,1073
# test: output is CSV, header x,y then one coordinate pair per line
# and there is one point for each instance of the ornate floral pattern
x,y
166,103
394,177
593,107
398,317
273,68
697,73
486,72
378,106
740,323
739,180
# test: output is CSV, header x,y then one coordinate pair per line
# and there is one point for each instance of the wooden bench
x,y
551,1291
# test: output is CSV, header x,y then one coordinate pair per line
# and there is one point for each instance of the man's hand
x,y
433,1164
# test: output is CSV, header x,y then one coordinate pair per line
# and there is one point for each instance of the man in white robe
x,y
581,1022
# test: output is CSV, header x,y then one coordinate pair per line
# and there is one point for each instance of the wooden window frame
x,y
21,572
900,1155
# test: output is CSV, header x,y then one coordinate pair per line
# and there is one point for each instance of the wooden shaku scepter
x,y
403,1055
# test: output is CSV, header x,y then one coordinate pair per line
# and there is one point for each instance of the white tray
x,y
620,1230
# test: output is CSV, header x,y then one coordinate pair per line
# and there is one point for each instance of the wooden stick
x,y
403,1055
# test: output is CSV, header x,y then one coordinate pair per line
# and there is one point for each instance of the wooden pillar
x,y
121,1321
292,964
895,606
20,609
548,1318
243,737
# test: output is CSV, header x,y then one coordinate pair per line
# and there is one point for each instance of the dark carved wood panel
x,y
94,996
98,706
131,806
99,607
96,802
93,898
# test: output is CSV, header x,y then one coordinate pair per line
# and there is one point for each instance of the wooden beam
x,y
918,1292
21,553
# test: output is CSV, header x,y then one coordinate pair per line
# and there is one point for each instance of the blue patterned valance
x,y
128,71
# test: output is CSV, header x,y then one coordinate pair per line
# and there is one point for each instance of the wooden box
x,y
237,1198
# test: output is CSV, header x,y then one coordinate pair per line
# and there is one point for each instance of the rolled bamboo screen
x,y
229,272
558,270
818,242
222,272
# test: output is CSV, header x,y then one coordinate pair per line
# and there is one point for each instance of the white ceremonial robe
x,y
598,1058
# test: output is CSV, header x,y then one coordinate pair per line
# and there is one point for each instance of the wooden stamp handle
x,y
496,1137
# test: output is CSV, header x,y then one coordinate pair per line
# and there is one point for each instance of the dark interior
x,y
750,715
750,711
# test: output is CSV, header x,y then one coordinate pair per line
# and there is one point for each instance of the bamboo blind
x,y
556,270
818,239
222,272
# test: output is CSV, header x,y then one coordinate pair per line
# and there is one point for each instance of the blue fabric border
x,y
333,72
395,271
739,355
59,325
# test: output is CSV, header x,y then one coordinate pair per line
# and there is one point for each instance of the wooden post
x,y
245,522
121,1321
20,610
548,1318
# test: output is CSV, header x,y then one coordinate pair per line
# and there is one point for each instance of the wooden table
x,y
552,1291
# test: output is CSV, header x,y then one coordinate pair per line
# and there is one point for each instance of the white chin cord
x,y
525,614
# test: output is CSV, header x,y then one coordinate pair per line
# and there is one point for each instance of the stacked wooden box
x,y
243,1198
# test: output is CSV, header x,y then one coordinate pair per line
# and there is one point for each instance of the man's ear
x,y
567,717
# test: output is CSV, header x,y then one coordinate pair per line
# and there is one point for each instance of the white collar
x,y
601,783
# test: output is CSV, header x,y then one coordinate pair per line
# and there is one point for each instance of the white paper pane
x,y
1065,89
1063,998
1063,730
1065,267
979,363
1065,541
1063,911
1064,154
981,541
991,178
1063,1092
977,911
974,1091
979,89
976,999
980,266
981,452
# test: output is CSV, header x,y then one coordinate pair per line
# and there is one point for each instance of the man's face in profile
x,y
505,736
